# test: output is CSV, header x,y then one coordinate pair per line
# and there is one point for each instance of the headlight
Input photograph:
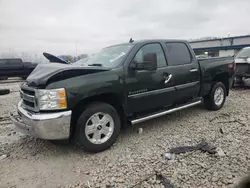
x,y
52,99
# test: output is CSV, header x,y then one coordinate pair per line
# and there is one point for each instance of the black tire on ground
x,y
4,91
4,78
209,100
80,137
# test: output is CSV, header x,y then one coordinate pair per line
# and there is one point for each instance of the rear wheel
x,y
98,127
217,97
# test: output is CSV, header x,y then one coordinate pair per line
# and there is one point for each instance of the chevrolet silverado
x,y
88,102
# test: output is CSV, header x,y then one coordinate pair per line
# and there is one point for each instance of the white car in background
x,y
242,72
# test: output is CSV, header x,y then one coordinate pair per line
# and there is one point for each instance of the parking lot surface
x,y
135,159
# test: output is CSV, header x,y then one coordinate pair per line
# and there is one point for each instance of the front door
x,y
148,90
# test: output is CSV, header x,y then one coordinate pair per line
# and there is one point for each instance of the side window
x,y
152,48
178,54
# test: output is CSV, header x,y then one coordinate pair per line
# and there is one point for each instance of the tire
x,y
4,78
209,101
4,91
59,142
97,111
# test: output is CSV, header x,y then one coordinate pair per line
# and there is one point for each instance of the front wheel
x,y
217,97
98,127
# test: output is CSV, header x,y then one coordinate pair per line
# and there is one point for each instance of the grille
x,y
242,68
28,96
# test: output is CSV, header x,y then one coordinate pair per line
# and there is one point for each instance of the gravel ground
x,y
135,159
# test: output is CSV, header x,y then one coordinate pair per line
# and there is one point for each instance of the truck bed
x,y
210,67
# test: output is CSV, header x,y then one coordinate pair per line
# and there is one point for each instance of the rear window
x,y
178,54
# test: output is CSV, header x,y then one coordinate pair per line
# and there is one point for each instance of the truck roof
x,y
142,41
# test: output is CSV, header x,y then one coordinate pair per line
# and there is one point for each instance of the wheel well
x,y
224,79
112,99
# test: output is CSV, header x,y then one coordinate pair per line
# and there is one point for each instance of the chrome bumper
x,y
48,126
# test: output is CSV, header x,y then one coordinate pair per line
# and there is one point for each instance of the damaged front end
x,y
43,74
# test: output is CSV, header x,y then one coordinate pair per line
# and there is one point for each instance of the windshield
x,y
108,57
81,61
243,53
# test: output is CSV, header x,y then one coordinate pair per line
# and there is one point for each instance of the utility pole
x,y
76,48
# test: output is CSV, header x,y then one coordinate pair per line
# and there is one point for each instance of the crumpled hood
x,y
54,59
45,71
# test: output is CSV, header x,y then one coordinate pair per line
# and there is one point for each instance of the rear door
x,y
145,89
185,70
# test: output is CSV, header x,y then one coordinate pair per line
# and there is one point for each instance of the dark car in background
x,y
242,73
15,67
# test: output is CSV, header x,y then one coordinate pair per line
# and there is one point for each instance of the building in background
x,y
221,47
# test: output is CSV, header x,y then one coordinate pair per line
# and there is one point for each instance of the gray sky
x,y
56,26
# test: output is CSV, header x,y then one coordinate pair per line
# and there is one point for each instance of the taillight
x,y
230,66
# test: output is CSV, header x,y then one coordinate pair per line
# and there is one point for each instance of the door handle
x,y
168,78
193,70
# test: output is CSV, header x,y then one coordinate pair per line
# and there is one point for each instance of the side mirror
x,y
149,63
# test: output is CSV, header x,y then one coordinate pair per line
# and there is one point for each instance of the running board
x,y
152,116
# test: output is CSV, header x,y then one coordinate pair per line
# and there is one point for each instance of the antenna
x,y
131,40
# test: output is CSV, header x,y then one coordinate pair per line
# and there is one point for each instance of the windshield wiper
x,y
95,64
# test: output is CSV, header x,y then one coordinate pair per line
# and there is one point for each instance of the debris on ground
x,y
203,146
164,181
168,156
4,91
221,131
220,152
2,157
140,130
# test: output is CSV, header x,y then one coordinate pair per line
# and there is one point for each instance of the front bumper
x,y
48,126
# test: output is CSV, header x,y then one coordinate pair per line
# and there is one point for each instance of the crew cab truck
x,y
15,67
90,101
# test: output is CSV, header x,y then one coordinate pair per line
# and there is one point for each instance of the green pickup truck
x,y
88,102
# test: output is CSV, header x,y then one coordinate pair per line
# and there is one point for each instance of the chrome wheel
x,y
219,96
99,128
